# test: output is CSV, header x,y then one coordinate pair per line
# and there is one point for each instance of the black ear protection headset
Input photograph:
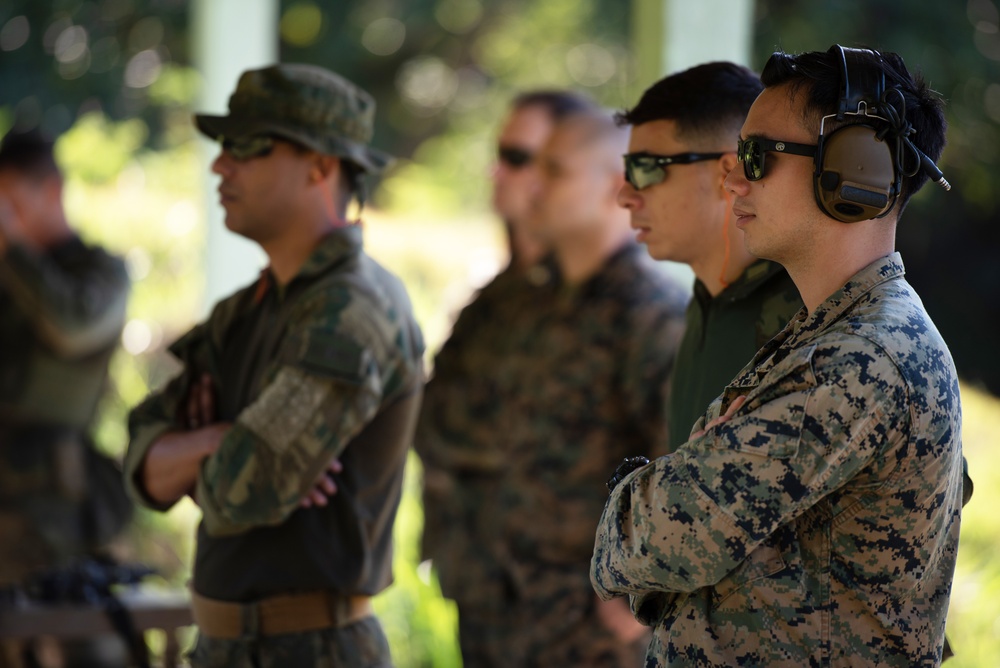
x,y
860,166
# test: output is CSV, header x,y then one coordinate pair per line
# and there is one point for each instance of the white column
x,y
706,30
229,36
672,35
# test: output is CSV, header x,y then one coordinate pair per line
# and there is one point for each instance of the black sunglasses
x,y
247,148
514,157
751,153
643,170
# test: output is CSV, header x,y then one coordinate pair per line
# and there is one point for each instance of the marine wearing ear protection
x,y
860,165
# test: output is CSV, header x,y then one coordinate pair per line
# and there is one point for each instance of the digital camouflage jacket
x,y
818,526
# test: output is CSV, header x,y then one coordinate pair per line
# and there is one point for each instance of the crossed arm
x,y
172,465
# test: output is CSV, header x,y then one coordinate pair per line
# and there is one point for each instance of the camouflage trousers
x,y
359,645
517,638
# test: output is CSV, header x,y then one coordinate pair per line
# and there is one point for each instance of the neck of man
x,y
288,252
526,250
582,253
726,261
831,261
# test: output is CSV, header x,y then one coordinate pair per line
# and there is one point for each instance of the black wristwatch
x,y
627,466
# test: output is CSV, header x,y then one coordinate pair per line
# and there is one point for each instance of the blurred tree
x,y
62,59
949,241
444,70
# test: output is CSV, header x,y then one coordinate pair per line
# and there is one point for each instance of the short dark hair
x,y
559,104
352,185
821,72
29,153
710,99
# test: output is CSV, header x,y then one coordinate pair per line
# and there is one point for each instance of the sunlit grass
x,y
974,617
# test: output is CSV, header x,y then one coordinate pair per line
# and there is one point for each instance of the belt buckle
x,y
249,621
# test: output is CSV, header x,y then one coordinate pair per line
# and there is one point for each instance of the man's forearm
x,y
170,469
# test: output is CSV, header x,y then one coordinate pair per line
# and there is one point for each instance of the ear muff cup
x,y
855,178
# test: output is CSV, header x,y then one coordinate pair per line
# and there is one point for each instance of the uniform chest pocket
x,y
742,588
770,422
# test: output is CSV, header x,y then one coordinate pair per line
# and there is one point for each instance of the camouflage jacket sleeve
x,y
688,519
460,397
77,306
327,384
158,413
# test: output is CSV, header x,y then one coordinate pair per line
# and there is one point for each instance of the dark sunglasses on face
x,y
514,157
751,153
643,170
247,148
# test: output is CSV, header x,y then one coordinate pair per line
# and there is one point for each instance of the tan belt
x,y
290,613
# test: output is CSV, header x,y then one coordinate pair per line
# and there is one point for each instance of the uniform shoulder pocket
x,y
331,354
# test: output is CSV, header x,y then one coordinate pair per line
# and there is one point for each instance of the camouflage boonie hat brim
x,y
305,104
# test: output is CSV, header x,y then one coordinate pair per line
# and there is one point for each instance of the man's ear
x,y
617,181
726,163
324,167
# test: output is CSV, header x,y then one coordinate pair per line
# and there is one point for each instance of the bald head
x,y
581,171
597,133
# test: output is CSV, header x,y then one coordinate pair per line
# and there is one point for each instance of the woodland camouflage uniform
x,y
61,316
327,365
580,385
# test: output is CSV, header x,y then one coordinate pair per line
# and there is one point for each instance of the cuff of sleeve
x,y
218,519
212,520
142,439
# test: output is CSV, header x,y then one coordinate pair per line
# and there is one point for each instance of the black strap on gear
x,y
89,581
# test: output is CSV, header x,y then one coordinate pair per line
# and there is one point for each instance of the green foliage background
x,y
135,173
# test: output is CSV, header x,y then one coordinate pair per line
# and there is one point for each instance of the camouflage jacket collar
x,y
807,325
339,244
616,268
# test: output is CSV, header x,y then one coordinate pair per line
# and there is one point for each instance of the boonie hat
x,y
306,104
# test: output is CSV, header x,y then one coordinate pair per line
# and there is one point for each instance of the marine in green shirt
x,y
684,129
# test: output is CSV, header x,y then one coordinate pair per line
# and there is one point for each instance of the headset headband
x,y
860,83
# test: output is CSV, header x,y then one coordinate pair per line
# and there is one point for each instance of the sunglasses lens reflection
x,y
246,148
643,173
752,158
514,157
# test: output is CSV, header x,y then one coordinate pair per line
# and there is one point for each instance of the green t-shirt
x,y
723,333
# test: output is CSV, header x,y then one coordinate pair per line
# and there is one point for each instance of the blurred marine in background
x,y
462,401
320,358
62,309
579,382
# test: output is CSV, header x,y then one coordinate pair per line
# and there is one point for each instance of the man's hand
x,y
325,486
199,409
172,464
617,618
733,407
10,224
